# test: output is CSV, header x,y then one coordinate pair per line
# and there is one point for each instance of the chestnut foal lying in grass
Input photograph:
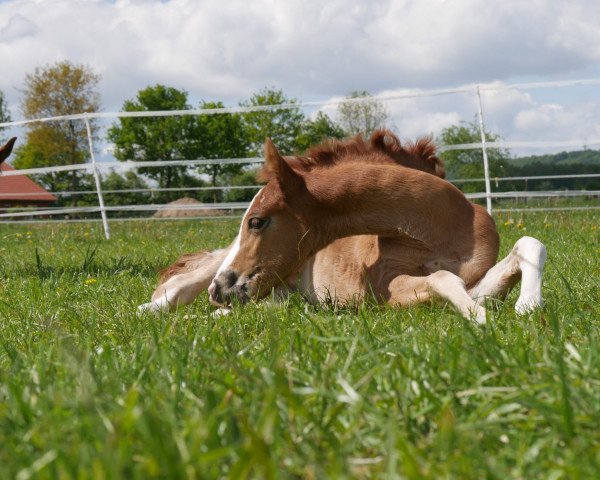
x,y
353,219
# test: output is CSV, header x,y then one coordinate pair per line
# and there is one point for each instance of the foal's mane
x,y
383,147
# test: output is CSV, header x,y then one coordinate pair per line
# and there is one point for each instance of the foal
x,y
183,281
357,226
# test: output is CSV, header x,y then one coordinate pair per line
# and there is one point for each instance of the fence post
x,y
97,179
486,168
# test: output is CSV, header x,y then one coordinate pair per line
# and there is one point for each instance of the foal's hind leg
x,y
441,285
525,262
183,288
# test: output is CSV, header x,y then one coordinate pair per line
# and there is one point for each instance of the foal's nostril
x,y
220,289
230,277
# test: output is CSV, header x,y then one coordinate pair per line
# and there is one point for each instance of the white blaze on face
x,y
235,248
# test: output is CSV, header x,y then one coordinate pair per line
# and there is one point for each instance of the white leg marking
x,y
531,254
493,284
527,259
156,306
452,288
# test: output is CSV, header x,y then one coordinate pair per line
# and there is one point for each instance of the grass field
x,y
90,390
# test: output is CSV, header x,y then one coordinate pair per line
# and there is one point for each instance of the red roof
x,y
21,189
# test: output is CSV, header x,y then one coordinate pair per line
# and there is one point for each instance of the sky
x,y
318,50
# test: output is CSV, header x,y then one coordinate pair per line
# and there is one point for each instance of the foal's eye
x,y
256,223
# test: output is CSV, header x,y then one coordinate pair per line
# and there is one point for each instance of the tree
x,y
151,139
220,136
469,163
60,89
128,181
243,179
361,117
4,114
316,130
282,126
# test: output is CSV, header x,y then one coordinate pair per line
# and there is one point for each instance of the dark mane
x,y
382,147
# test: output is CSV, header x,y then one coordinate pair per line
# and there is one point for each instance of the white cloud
x,y
18,27
559,122
228,49
541,118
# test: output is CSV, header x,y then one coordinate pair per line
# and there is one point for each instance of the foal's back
x,y
354,267
464,242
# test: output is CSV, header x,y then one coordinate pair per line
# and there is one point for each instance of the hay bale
x,y
178,210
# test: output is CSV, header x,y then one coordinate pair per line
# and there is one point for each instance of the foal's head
x,y
269,246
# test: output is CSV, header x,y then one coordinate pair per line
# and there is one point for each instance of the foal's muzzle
x,y
228,287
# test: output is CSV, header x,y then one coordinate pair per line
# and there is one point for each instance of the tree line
x,y
468,164
65,88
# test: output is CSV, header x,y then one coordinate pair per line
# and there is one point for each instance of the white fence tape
x,y
124,208
133,165
537,194
228,206
135,190
152,190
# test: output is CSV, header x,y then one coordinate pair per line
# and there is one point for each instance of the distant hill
x,y
582,162
582,157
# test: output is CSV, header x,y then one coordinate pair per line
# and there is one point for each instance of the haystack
x,y
178,210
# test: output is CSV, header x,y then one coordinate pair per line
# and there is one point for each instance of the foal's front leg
x,y
525,262
441,285
183,288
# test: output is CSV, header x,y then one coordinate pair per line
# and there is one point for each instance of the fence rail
x,y
21,212
94,168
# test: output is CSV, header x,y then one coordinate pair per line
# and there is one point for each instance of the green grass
x,y
90,390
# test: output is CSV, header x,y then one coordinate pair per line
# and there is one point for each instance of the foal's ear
x,y
6,149
277,168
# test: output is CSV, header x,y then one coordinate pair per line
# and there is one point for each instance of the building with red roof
x,y
21,191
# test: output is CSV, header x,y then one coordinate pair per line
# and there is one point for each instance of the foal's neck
x,y
385,200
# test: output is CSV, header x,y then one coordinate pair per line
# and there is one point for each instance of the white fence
x,y
95,168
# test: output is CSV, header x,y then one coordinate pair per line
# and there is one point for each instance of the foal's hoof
x,y
220,312
479,315
154,307
145,307
528,303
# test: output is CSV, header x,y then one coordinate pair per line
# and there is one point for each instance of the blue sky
x,y
315,50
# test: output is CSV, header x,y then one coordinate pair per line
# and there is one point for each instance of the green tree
x,y
151,139
283,126
220,136
469,163
245,178
316,130
4,114
363,117
60,89
127,181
